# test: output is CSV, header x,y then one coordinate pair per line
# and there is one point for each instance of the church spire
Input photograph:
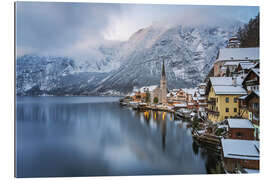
x,y
163,70
163,85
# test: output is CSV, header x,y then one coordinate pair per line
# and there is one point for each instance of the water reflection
x,y
85,136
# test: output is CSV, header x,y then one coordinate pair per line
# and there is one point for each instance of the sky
x,y
66,29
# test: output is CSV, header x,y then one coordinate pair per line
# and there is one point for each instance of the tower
x,y
163,86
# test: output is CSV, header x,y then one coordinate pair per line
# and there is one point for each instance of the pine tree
x,y
249,35
155,100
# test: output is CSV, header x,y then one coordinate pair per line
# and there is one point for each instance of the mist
x,y
78,29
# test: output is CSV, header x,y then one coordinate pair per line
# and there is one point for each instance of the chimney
x,y
233,80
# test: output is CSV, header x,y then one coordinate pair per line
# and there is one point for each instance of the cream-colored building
x,y
222,98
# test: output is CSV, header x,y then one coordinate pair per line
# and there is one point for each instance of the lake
x,y
95,136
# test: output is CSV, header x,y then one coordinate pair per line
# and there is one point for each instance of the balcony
x,y
215,113
212,101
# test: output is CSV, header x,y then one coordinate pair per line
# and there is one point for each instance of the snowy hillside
x,y
188,53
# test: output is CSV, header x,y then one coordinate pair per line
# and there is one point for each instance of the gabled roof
x,y
240,149
229,90
256,71
246,65
224,85
238,54
225,81
240,123
221,81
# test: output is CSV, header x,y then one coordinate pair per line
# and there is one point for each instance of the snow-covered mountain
x,y
188,52
36,75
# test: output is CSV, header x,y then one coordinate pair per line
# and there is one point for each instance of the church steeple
x,y
163,74
163,85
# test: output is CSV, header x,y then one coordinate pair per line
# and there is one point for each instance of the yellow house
x,y
222,98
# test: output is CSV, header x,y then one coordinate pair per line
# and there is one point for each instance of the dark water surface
x,y
93,136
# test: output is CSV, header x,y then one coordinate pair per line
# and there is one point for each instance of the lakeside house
x,y
222,98
240,129
240,154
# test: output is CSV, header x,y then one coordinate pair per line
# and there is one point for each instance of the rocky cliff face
x,y
188,53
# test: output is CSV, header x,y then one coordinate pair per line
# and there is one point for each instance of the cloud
x,y
75,29
49,27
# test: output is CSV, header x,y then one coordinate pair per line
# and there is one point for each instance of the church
x,y
161,92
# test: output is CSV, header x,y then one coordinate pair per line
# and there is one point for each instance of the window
x,y
217,99
235,100
256,106
239,134
227,99
234,109
227,109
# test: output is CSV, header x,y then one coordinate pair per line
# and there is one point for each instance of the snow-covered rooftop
x,y
257,92
240,149
224,85
240,123
150,88
180,105
201,98
189,91
229,90
223,68
256,71
202,84
242,97
231,63
202,91
246,65
238,54
221,81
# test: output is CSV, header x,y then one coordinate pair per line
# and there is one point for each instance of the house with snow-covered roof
x,y
222,97
252,80
240,129
240,154
233,56
244,67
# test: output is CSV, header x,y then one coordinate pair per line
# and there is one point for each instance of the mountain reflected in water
x,y
93,136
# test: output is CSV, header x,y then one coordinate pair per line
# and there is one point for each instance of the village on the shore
x,y
224,109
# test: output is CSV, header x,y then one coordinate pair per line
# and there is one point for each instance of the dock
x,y
210,141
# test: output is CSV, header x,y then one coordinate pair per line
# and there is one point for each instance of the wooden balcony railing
x,y
216,113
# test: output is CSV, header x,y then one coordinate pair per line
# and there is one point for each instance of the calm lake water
x,y
93,136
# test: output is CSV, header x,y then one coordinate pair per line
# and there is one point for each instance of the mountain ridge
x,y
188,52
